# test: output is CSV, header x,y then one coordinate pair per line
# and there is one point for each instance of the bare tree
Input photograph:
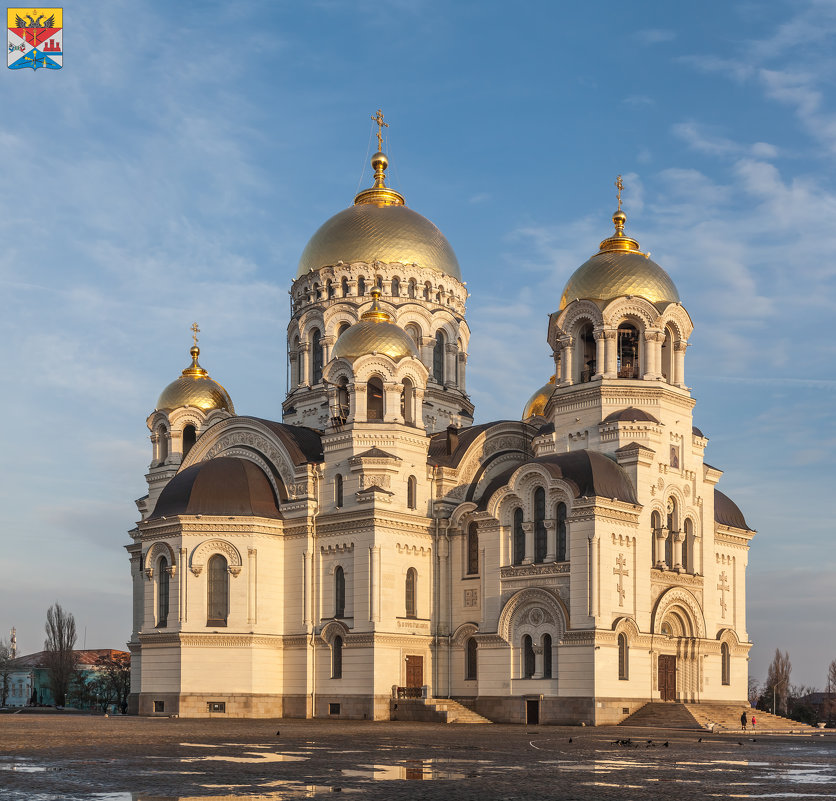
x,y
5,671
60,657
115,673
831,690
778,680
755,690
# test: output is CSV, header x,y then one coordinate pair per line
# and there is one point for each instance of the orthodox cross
x,y
378,118
619,571
619,185
195,331
724,587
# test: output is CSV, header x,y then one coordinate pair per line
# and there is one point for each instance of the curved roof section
x,y
304,445
369,232
536,404
630,415
727,512
222,486
465,437
588,472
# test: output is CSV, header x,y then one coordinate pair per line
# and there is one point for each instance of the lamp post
x,y
774,687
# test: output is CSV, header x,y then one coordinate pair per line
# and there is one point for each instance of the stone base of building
x,y
206,705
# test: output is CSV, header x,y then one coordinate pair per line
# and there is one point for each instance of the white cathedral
x,y
376,545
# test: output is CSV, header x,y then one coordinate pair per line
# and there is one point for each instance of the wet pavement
x,y
45,757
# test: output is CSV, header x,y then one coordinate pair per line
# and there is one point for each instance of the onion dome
x,y
619,268
536,404
195,388
375,333
379,227
222,486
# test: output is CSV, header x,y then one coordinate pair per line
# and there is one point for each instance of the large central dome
x,y
379,227
618,269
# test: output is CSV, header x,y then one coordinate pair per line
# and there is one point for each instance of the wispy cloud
x,y
650,36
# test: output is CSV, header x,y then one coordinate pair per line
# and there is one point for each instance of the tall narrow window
x,y
725,656
672,527
623,658
562,552
407,402
162,443
338,490
438,357
411,592
528,657
539,525
519,537
427,291
457,362
374,399
337,658
316,357
330,288
655,528
396,287
472,550
344,287
412,492
470,666
339,592
361,286
411,290
296,365
547,656
628,351
162,592
217,603
342,399
189,439
687,545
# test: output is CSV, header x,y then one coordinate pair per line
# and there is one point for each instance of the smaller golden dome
x,y
375,333
536,404
195,388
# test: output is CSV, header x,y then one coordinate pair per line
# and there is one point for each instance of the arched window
x,y
623,658
725,656
547,656
540,545
655,527
217,601
628,351
330,288
189,439
470,664
668,360
411,289
361,286
342,398
687,545
408,402
396,287
585,349
338,490
162,592
374,399
438,357
162,444
427,291
672,528
562,553
342,327
472,550
337,658
519,537
412,492
415,333
411,592
344,286
296,366
528,657
456,362
378,282
315,295
339,592
316,357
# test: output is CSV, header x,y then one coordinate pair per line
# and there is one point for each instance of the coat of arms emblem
x,y
36,38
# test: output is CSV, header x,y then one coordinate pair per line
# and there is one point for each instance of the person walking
x,y
743,720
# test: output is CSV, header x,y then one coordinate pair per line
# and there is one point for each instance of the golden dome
x,y
619,268
375,333
379,227
536,404
195,388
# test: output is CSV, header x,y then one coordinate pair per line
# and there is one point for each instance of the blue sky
x,y
175,168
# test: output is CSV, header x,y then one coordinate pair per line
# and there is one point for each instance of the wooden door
x,y
667,677
414,671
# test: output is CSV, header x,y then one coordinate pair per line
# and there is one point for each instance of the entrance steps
x,y
710,717
433,710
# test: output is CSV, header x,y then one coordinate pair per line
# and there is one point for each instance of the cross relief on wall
x,y
620,571
724,587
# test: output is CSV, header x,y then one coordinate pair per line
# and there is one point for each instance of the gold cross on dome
x,y
378,118
619,185
195,331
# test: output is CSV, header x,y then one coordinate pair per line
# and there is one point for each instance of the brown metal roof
x,y
727,512
438,442
222,486
630,415
302,443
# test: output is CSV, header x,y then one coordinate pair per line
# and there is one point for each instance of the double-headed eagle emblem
x,y
34,23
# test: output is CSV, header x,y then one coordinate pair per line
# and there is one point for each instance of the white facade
x,y
571,566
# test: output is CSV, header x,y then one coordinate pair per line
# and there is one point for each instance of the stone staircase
x,y
710,717
433,710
